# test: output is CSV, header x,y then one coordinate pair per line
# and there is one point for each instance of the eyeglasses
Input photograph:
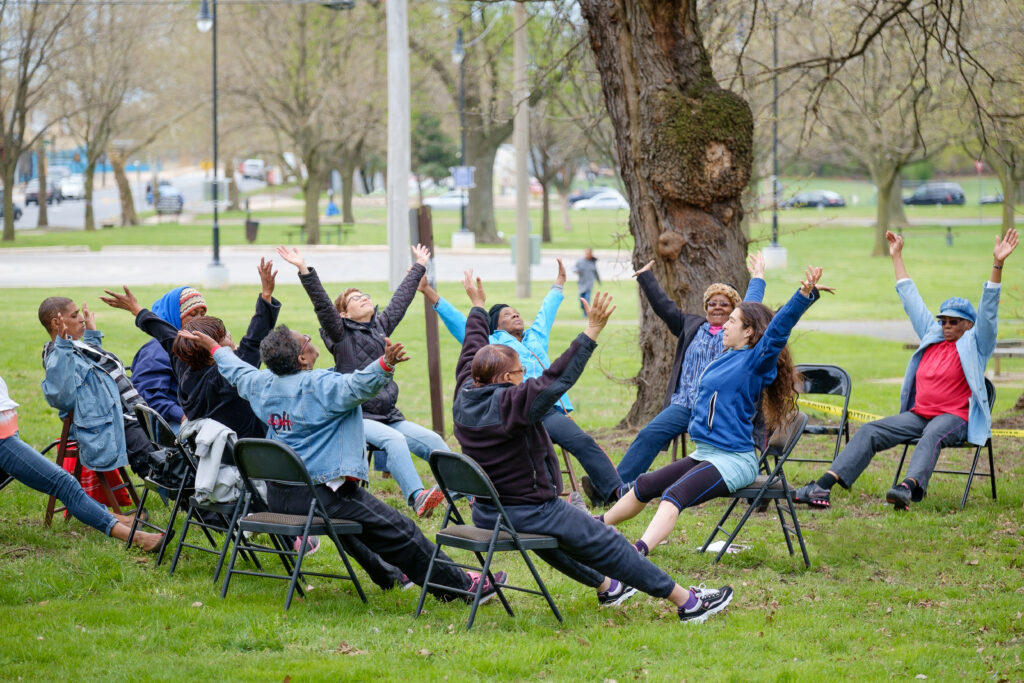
x,y
950,322
358,297
306,340
518,370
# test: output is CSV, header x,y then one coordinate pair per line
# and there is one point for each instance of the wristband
x,y
387,368
997,267
214,349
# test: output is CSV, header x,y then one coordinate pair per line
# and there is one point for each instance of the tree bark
x,y
7,168
234,199
348,172
897,216
545,213
311,218
884,175
1007,172
90,175
44,219
563,202
124,190
685,150
480,210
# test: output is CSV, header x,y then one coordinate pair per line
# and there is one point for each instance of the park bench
x,y
336,233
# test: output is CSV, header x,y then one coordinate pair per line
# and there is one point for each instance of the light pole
x,y
216,273
774,254
459,57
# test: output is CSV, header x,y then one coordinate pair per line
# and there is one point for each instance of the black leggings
x,y
683,483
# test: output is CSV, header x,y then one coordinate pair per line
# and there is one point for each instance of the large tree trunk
x,y
1008,183
348,172
312,188
7,170
124,190
685,149
234,200
897,216
563,202
44,219
545,213
884,175
480,152
90,175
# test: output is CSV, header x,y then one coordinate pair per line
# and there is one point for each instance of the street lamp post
x,y
774,254
207,19
459,57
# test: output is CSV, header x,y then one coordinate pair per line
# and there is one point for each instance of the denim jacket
x,y
316,412
532,350
74,383
974,348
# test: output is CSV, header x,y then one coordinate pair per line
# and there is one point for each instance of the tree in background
x,y
433,151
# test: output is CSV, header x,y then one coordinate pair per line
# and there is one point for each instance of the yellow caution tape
x,y
861,416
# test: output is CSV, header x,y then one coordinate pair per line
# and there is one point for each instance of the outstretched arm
x,y
768,348
326,314
145,320
662,306
406,291
896,252
1004,247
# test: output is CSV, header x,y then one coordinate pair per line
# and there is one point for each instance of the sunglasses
x,y
950,322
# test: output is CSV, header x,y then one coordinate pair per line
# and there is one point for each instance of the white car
x,y
73,186
606,200
254,168
449,200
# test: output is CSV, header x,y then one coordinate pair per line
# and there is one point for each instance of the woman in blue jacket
x,y
755,370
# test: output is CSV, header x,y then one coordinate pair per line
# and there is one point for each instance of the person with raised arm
x,y
943,400
755,372
499,422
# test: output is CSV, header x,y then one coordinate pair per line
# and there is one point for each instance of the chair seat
x,y
821,429
293,525
474,538
222,508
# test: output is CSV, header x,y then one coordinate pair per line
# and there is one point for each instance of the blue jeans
x,y
587,550
397,440
652,439
584,295
26,465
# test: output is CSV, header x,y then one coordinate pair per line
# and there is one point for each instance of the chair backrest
x,y
270,461
990,389
155,427
459,474
824,379
785,438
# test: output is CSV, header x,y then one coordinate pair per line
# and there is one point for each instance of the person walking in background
x,y
587,275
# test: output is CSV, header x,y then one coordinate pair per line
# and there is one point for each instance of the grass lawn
x,y
936,592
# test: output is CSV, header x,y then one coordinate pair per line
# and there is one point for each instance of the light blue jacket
x,y
974,348
532,350
75,383
316,412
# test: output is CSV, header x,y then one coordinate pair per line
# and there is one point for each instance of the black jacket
x,y
205,392
355,345
499,425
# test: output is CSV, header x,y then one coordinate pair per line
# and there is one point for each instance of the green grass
x,y
934,592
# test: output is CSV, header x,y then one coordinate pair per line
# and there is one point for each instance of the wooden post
x,y
426,238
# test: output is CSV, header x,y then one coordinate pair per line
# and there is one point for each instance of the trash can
x,y
534,249
251,228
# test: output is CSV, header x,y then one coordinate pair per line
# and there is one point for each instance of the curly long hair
x,y
191,353
778,400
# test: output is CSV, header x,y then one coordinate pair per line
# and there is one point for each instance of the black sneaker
x,y
709,601
592,495
813,495
489,591
618,596
899,497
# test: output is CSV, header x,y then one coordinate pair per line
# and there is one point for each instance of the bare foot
x,y
148,542
124,519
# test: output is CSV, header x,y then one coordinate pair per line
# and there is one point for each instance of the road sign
x,y
463,177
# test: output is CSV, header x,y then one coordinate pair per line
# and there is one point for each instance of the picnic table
x,y
336,232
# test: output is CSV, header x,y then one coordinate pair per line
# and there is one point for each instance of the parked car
x,y
937,193
580,195
58,173
254,168
814,198
170,200
72,187
996,198
449,200
32,192
609,199
17,209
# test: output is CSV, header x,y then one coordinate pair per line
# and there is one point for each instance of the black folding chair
x,y
5,479
459,476
827,380
220,518
770,486
273,461
162,436
990,389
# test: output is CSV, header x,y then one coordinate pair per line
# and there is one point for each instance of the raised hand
x,y
89,318
59,326
474,288
126,301
560,277
895,244
394,353
811,277
268,277
755,265
204,340
422,254
1005,246
647,267
598,313
293,257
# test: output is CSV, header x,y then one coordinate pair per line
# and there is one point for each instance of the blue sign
x,y
463,177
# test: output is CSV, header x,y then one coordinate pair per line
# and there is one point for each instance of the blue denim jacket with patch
x,y
316,412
